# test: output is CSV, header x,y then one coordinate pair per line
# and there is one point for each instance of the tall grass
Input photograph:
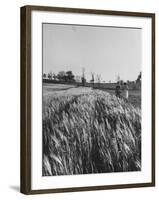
x,y
90,133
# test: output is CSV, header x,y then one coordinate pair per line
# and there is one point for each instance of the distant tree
x,y
61,76
54,76
118,79
98,78
69,76
139,77
138,82
65,76
92,80
44,76
49,75
83,79
121,82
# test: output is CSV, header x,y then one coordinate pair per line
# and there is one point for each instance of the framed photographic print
x,y
87,99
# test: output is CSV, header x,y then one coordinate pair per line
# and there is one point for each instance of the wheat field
x,y
89,131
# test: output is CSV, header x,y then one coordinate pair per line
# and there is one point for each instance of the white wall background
x,y
10,97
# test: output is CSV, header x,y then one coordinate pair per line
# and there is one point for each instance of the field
x,y
89,131
50,89
134,97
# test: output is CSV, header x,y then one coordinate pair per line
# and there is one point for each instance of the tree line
x,y
68,76
62,76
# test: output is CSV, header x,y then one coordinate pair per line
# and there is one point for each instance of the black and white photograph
x,y
87,99
91,99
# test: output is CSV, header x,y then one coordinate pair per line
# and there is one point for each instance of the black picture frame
x,y
26,107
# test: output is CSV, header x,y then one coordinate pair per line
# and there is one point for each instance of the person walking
x,y
118,91
126,91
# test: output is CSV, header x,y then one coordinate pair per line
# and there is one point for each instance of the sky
x,y
106,51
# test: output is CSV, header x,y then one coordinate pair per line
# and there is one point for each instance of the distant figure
x,y
118,91
126,91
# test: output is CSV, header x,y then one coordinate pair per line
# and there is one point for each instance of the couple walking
x,y
122,91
